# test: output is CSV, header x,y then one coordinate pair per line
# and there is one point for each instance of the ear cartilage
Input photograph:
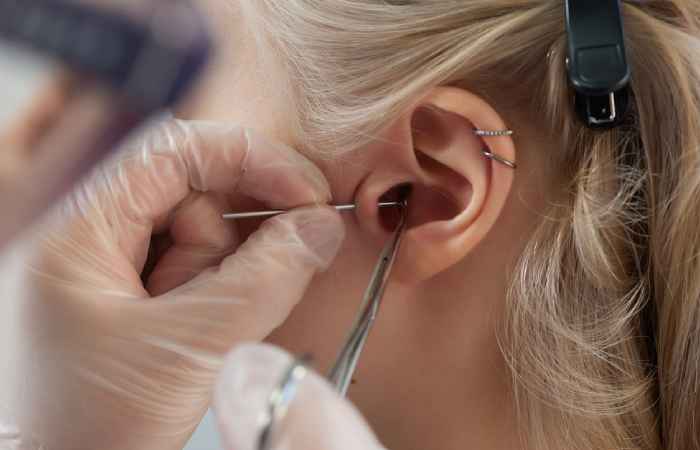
x,y
492,133
494,157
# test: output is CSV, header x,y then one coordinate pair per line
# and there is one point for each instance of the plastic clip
x,y
597,61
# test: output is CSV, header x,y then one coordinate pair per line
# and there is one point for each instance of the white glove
x,y
317,418
104,361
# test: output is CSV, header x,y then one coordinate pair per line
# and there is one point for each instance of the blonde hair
x,y
603,326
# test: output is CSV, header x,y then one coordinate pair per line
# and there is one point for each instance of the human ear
x,y
461,181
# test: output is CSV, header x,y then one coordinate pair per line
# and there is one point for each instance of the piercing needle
x,y
349,207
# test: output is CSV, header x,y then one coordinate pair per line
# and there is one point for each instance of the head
x,y
554,306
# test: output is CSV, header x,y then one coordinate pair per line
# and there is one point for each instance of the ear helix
x,y
488,153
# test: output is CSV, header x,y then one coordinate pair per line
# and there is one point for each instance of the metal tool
x,y
254,214
280,401
341,373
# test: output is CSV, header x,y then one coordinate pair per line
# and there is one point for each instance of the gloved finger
x,y
253,291
317,418
199,240
178,157
160,170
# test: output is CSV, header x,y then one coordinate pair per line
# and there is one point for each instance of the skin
x,y
432,374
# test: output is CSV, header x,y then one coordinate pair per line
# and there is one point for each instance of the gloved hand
x,y
317,417
105,361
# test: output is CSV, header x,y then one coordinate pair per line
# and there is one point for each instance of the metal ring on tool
x,y
492,133
494,157
280,400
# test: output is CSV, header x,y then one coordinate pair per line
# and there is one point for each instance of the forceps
x,y
341,373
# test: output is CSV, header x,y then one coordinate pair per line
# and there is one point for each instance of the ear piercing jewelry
x,y
493,133
494,157
488,153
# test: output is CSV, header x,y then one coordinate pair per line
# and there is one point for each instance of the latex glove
x,y
317,418
106,362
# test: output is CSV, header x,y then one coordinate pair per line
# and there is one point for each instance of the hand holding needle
x,y
341,373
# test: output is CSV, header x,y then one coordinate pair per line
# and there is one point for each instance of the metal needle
x,y
250,215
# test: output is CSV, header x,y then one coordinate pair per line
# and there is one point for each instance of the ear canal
x,y
423,204
389,217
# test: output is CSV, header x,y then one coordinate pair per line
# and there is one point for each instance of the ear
x,y
458,192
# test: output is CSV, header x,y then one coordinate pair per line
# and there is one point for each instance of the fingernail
x,y
323,232
251,373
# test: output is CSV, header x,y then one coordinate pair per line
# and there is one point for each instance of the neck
x,y
435,375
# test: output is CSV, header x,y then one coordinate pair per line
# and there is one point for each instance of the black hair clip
x,y
597,61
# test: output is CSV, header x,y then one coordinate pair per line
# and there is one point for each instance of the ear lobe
x,y
459,193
